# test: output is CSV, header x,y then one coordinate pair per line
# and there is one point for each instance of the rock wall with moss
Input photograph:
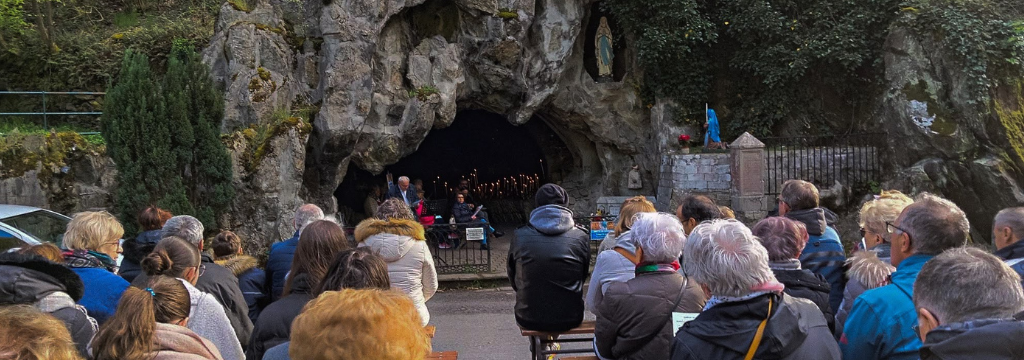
x,y
59,171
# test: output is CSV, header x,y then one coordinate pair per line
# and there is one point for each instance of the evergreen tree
x,y
165,139
205,162
136,137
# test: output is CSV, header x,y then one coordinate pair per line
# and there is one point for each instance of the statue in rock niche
x,y
604,50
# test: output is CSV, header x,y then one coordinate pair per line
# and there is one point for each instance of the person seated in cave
x,y
418,185
403,190
463,189
482,215
464,213
372,201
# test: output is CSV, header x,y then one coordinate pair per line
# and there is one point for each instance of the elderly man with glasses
x,y
880,324
966,300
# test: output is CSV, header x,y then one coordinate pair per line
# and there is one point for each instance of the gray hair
x,y
1012,218
799,195
394,208
660,236
403,178
966,283
935,225
306,214
726,257
185,227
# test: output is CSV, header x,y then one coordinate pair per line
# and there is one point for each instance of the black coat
x,y
993,339
275,323
548,263
808,285
796,330
218,281
134,250
462,213
27,279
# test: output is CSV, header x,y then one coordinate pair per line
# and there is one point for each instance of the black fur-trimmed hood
x,y
28,278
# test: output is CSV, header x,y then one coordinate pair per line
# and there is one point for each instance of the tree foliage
x,y
165,139
769,60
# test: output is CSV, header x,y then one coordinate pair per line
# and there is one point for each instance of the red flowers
x,y
684,137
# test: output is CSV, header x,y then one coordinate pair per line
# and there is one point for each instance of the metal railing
x,y
852,160
454,253
44,113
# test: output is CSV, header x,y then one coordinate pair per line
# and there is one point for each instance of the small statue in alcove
x,y
604,51
633,181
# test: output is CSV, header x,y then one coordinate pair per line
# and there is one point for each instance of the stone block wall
x,y
703,174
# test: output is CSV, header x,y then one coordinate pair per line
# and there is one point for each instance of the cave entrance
x,y
502,164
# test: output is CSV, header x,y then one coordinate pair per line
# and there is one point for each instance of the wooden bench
x,y
540,339
443,355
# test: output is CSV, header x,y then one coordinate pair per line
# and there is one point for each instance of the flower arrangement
x,y
684,140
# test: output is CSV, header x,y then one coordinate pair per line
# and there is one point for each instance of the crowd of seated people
x,y
913,287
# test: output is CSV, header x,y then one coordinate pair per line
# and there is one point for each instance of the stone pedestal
x,y
747,168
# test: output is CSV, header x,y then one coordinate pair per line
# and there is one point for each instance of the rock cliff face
x,y
944,140
380,75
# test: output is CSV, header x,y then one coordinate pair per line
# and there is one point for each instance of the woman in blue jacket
x,y
93,242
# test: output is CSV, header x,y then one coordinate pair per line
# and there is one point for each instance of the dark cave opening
x,y
482,147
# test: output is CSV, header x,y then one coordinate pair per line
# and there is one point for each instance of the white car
x,y
26,225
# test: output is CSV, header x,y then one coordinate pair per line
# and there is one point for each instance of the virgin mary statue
x,y
603,47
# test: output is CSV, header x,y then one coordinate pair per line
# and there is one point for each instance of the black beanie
x,y
551,194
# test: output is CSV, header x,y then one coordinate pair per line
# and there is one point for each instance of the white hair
x,y
727,258
660,236
185,227
403,178
306,214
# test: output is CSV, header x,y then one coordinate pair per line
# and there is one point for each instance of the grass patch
x,y
507,14
126,20
423,92
258,137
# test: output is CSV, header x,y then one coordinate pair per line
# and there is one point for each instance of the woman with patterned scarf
x,y
93,242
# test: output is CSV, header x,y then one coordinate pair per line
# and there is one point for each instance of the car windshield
x,y
42,225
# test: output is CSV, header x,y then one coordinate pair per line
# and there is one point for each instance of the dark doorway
x,y
481,147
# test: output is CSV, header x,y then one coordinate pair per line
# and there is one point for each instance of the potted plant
x,y
684,142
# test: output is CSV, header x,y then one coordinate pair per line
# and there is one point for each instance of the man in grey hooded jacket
x,y
548,262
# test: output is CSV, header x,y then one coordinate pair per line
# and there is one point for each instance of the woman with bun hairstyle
x,y
150,324
175,257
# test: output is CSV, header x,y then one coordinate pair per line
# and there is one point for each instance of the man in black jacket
x,y
214,279
548,262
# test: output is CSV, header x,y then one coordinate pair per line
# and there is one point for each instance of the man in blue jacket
x,y
281,253
823,254
882,321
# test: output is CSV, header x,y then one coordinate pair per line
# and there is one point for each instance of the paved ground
x,y
478,324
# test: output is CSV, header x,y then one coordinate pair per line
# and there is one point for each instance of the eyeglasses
x,y
863,232
893,228
202,269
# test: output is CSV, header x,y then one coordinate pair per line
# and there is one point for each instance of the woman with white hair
x,y
636,315
748,315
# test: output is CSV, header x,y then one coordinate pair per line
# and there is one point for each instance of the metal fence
x,y
45,113
852,160
454,253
